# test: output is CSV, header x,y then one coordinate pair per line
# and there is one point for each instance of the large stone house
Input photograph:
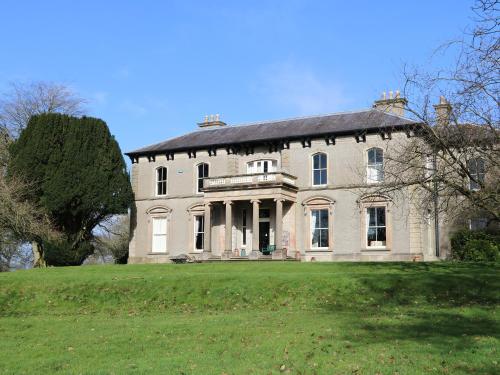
x,y
287,188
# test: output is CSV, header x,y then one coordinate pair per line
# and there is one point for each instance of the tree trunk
x,y
38,259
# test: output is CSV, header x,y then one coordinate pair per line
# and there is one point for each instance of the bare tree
x,y
24,100
451,164
20,220
114,238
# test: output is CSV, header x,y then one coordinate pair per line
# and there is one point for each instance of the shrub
x,y
475,246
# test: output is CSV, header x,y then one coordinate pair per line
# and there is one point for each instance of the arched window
x,y
161,181
202,173
319,169
477,172
375,166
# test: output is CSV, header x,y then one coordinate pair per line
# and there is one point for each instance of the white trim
x,y
319,169
156,181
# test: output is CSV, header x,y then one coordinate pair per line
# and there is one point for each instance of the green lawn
x,y
252,318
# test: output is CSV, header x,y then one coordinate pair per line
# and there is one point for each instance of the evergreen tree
x,y
77,172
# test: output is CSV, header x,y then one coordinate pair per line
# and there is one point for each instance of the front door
x,y
264,235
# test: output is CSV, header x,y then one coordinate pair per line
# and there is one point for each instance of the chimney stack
x,y
395,104
211,121
442,111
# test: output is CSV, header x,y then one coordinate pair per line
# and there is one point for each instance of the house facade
x,y
296,188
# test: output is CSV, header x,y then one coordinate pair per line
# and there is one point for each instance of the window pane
x,y
323,177
371,217
199,241
381,235
372,235
205,170
323,242
315,219
323,222
380,216
316,161
322,158
371,156
316,177
379,156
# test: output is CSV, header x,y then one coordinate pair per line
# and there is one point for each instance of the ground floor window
x,y
478,223
159,235
319,228
199,232
376,227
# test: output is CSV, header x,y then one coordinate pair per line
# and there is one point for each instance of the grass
x,y
252,318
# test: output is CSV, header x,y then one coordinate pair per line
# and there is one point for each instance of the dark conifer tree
x,y
77,172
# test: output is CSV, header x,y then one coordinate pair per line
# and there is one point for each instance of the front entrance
x,y
264,227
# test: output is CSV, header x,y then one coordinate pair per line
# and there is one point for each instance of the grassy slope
x,y
250,318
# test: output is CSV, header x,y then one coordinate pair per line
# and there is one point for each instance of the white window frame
x,y
159,235
196,232
376,226
376,168
253,168
319,169
158,181
198,178
327,228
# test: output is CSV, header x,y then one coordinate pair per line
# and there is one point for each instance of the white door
x,y
159,235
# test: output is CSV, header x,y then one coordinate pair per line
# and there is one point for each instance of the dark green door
x,y
263,235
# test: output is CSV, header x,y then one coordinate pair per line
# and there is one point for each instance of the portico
x,y
250,214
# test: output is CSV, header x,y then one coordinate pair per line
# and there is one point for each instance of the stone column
x,y
255,228
229,229
279,224
207,246
278,237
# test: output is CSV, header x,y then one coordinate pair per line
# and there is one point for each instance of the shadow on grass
x,y
450,310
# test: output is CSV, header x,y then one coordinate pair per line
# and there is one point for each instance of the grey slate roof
x,y
370,120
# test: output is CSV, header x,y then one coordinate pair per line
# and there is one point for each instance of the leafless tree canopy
x,y
455,154
25,100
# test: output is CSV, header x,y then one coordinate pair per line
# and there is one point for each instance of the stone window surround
x,y
158,212
375,201
197,209
318,203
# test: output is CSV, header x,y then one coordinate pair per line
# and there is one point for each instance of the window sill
x,y
380,249
158,253
319,250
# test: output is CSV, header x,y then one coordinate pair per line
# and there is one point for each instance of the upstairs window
x,y
477,171
375,166
261,166
161,181
202,174
319,169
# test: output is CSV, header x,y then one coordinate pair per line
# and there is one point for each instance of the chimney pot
x,y
390,94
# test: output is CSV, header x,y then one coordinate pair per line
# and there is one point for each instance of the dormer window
x,y
161,181
375,165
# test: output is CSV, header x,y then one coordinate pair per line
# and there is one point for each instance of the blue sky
x,y
152,69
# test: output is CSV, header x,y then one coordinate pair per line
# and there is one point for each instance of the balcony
x,y
270,180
